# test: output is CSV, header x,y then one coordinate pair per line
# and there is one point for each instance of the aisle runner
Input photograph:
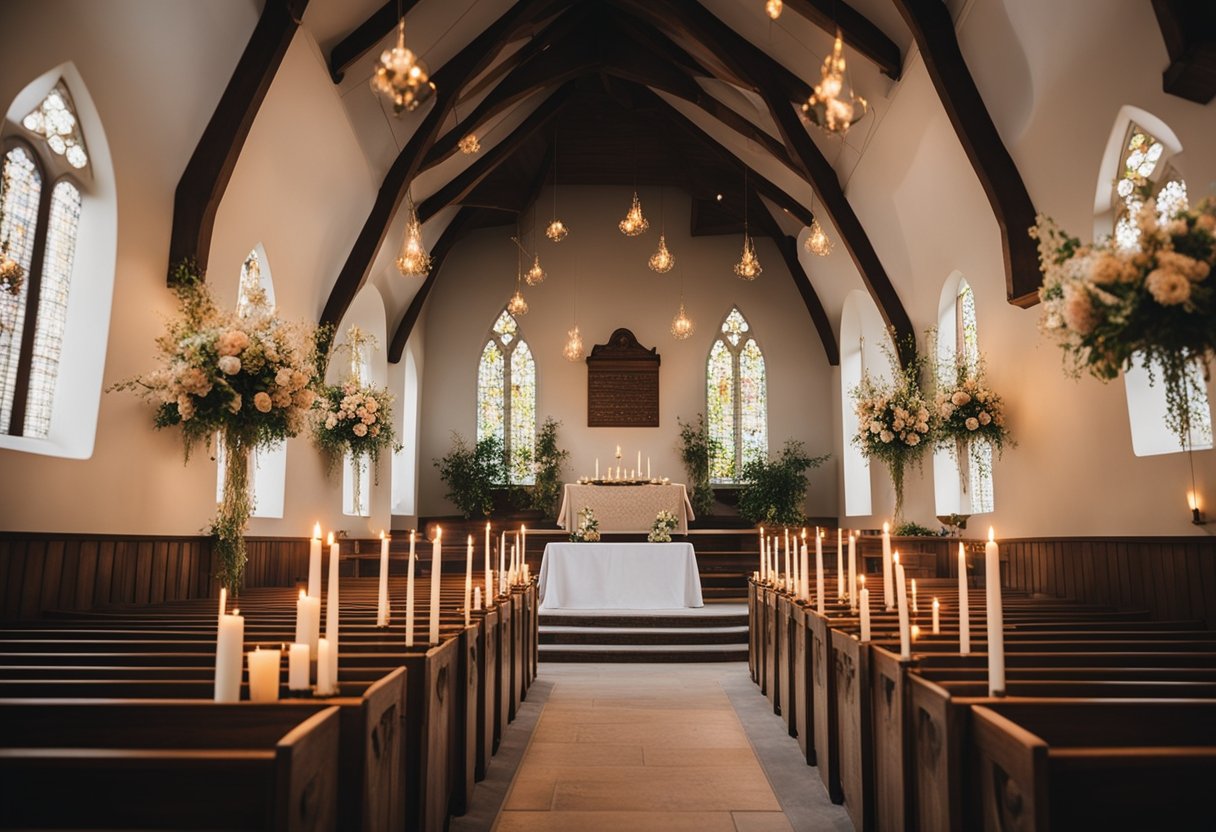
x,y
640,747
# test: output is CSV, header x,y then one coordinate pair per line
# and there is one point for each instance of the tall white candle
x,y
314,562
647,467
865,610
901,594
839,565
964,604
763,557
409,595
489,569
597,467
937,617
915,608
502,564
468,580
996,629
888,586
308,621
523,547
229,646
264,669
325,681
223,602
436,569
332,612
804,590
297,667
787,554
639,460
477,598
382,605
853,570
819,599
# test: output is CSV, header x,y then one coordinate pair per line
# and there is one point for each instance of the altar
x,y
625,508
619,576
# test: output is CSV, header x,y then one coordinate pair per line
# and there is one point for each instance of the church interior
x,y
375,455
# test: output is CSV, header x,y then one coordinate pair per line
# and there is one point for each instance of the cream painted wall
x,y
616,289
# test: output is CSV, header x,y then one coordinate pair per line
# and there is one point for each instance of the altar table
x,y
619,576
625,508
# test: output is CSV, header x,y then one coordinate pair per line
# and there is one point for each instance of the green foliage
x,y
697,447
549,462
472,474
774,492
912,529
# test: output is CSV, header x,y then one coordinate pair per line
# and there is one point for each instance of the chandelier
x,y
634,223
573,351
557,230
469,144
818,242
535,275
681,325
401,76
414,261
748,266
517,305
831,106
662,260
773,8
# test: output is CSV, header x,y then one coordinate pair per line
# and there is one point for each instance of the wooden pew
x,y
282,777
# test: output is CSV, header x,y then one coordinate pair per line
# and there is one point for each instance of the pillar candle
x,y
308,622
325,683
888,586
853,570
901,595
865,610
264,668
804,590
436,569
314,562
502,563
297,666
647,467
639,460
489,570
523,547
937,617
819,599
597,467
839,565
915,608
468,579
964,605
229,644
382,606
787,554
409,596
331,613
763,557
996,630
477,598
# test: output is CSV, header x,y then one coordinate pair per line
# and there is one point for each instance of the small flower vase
x,y
232,513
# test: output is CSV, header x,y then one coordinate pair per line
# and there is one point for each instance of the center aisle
x,y
657,747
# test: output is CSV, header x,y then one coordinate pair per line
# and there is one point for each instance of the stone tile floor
x,y
649,747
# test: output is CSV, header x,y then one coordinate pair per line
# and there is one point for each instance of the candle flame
x,y
303,595
886,528
991,535
330,539
237,611
895,557
915,632
804,535
470,540
316,532
936,603
861,579
487,525
1192,500
382,534
438,532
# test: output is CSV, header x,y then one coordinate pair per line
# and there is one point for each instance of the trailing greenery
x,y
472,474
912,529
549,462
697,447
774,492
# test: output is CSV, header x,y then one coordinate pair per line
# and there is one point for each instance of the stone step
x,y
643,635
643,653
610,620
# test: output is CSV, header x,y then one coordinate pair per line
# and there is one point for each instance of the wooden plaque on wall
x,y
622,384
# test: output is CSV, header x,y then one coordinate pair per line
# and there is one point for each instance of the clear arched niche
x,y
862,336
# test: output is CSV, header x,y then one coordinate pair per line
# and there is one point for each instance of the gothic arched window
x,y
736,398
506,396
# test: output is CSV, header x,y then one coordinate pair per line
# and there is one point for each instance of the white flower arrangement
x,y
664,524
588,530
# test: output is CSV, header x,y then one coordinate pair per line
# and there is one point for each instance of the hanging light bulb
x,y
573,351
401,76
517,305
830,105
748,266
818,242
681,325
662,260
556,231
773,8
469,144
634,223
414,261
535,275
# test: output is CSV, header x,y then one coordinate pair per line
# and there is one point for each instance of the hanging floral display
x,y
970,415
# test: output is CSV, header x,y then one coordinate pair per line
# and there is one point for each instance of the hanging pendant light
x,y
634,223
535,275
832,105
557,230
469,143
401,76
517,305
414,261
573,351
773,8
748,267
681,325
818,242
662,260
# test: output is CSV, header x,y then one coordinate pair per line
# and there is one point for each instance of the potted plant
x,y
550,459
774,491
697,447
473,474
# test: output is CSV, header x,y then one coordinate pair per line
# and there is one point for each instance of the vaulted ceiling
x,y
656,92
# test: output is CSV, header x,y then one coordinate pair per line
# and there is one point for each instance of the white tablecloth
x,y
625,508
619,576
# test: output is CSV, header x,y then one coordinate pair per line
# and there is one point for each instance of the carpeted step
x,y
640,619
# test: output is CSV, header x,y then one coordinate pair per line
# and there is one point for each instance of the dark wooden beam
x,y
1189,31
856,29
1015,213
788,246
457,228
449,80
463,184
365,36
207,173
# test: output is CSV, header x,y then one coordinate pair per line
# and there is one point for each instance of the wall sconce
x,y
1197,517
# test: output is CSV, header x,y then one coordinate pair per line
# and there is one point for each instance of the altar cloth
x,y
625,508
619,576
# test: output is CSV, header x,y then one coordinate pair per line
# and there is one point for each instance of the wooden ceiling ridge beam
x,y
856,29
206,175
1189,32
463,184
933,29
365,36
449,79
456,230
788,247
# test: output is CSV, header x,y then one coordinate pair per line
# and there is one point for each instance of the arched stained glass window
x,y
22,194
736,398
506,396
1144,174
